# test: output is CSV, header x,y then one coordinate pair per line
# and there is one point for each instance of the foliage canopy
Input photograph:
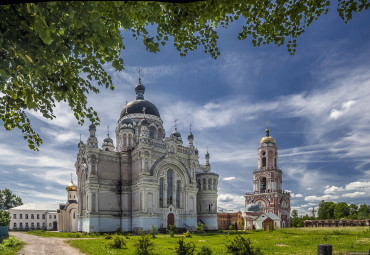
x,y
54,51
9,200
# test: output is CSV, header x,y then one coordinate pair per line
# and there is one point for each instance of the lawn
x,y
61,234
281,241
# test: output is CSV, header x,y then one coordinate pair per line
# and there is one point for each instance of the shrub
x,y
231,227
11,242
187,234
171,230
144,245
205,251
200,227
4,218
117,242
242,246
185,248
153,231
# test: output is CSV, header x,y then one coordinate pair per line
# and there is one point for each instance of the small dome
x,y
71,187
139,87
137,107
190,136
92,126
176,133
127,121
252,207
108,140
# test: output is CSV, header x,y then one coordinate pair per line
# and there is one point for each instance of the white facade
x,y
34,216
147,179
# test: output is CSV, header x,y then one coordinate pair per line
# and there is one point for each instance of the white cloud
x,y
355,194
335,114
333,189
298,195
229,178
229,202
358,185
319,198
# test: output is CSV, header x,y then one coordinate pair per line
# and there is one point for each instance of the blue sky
x,y
316,103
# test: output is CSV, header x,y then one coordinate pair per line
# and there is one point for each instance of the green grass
x,y
61,234
10,246
281,241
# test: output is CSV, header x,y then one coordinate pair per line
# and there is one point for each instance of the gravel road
x,y
36,245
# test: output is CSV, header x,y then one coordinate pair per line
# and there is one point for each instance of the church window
x,y
264,161
215,184
209,184
161,193
169,187
199,185
204,184
178,194
152,132
74,215
263,184
209,207
124,140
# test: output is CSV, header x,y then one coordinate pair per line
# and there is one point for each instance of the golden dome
x,y
71,187
267,139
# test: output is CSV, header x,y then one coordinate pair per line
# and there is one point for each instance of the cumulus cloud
x,y
355,194
333,189
319,198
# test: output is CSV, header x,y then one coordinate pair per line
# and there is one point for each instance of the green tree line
x,y
332,210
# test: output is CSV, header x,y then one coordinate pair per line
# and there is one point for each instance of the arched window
x,y
124,144
264,161
204,184
214,184
169,187
178,194
199,185
209,184
263,184
161,192
152,132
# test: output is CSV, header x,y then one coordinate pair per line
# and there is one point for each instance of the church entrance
x,y
170,219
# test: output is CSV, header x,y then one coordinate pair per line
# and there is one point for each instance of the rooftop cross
x,y
108,128
190,127
176,122
139,71
71,178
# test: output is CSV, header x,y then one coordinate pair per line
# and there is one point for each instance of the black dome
x,y
137,107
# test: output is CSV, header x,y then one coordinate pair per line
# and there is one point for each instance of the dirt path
x,y
36,245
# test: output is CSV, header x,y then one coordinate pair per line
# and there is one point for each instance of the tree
x,y
4,218
184,248
326,210
341,210
353,209
363,211
54,51
9,200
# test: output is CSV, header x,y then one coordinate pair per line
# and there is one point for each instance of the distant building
x,y
67,212
34,216
268,196
224,220
336,223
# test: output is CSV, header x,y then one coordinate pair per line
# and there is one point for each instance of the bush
x,y
4,218
171,230
11,242
117,242
185,248
144,245
242,246
153,231
200,227
187,234
205,251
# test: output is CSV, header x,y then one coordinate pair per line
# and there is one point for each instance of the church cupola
x,y
71,188
92,142
108,144
207,158
191,139
140,90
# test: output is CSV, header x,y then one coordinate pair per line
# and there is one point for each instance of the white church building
x,y
147,179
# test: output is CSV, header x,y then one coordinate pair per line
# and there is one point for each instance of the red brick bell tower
x,y
267,183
